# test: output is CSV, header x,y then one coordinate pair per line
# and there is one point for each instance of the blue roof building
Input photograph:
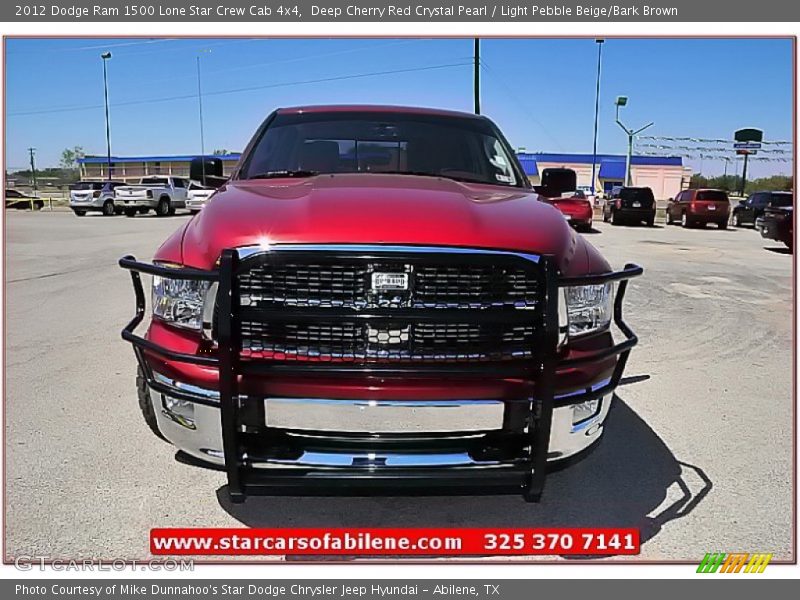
x,y
665,175
131,168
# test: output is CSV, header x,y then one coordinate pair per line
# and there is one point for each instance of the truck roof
x,y
322,108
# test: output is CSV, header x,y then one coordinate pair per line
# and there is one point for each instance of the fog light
x,y
585,411
180,411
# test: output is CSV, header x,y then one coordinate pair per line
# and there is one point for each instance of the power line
x,y
96,47
706,140
241,90
521,104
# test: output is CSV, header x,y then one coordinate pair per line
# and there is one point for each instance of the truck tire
x,y
164,207
146,405
108,208
130,212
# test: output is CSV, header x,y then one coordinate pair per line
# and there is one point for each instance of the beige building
x,y
665,175
130,168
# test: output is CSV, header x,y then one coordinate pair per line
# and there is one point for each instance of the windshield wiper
x,y
284,173
433,174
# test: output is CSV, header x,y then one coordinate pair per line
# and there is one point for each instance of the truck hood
x,y
377,209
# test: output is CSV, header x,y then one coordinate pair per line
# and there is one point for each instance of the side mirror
x,y
207,171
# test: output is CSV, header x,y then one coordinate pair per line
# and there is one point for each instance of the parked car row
x,y
161,194
770,213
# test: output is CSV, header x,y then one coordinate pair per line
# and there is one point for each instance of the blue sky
x,y
539,91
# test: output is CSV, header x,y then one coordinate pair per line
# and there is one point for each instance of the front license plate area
x,y
384,282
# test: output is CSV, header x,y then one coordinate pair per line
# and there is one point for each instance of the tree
x,y
70,156
222,152
733,183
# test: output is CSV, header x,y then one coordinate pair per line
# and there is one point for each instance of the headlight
x,y
179,301
588,307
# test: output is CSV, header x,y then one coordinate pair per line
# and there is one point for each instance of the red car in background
x,y
377,296
576,208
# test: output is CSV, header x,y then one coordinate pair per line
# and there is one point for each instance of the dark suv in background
x,y
630,205
747,211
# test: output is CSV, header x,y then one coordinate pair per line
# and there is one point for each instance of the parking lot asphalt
x,y
697,452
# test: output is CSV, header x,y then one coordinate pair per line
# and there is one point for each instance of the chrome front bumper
x,y
201,437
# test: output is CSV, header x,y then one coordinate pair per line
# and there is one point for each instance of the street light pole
x,y
202,134
631,133
596,111
476,75
105,56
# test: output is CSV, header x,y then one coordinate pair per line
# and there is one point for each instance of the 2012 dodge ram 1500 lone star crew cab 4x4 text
x,y
377,296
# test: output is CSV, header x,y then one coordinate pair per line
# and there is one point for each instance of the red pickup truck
x,y
377,297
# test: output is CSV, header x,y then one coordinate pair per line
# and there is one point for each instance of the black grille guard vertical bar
x,y
229,349
541,406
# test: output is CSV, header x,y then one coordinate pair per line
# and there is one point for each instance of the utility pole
x,y
477,75
31,151
106,56
596,112
622,101
202,135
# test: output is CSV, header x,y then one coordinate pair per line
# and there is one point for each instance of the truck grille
x,y
348,286
350,341
330,297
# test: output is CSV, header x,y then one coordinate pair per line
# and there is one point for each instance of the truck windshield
x,y
455,147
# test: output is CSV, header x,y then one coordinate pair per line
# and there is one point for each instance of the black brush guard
x,y
526,474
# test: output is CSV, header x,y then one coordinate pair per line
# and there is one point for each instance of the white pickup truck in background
x,y
162,194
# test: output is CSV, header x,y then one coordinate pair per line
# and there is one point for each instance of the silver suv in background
x,y
86,196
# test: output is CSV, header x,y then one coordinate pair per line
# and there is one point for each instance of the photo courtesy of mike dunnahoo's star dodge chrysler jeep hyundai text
x,y
378,297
